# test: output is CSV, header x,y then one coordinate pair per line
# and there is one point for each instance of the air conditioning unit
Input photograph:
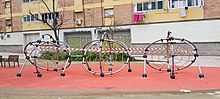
x,y
78,21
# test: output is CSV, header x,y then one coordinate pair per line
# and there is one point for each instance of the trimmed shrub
x,y
91,56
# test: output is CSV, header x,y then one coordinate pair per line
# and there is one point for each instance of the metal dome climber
x,y
107,54
47,54
171,54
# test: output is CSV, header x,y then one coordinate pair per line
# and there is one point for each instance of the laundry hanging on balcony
x,y
138,16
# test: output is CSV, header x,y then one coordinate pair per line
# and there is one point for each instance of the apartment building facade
x,y
135,22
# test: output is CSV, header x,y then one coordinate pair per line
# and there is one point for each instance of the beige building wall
x,y
92,12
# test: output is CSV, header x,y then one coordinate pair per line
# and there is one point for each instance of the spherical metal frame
x,y
152,52
34,49
88,48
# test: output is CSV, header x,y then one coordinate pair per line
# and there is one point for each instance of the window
x,y
78,15
145,6
30,37
7,4
153,6
123,36
79,39
109,13
8,22
195,2
184,3
30,18
160,5
177,3
24,1
139,7
49,16
126,39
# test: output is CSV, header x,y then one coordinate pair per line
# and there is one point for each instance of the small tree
x,y
55,26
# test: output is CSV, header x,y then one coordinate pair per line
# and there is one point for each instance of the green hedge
x,y
94,56
91,56
53,55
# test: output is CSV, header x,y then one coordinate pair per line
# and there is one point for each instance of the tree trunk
x,y
56,34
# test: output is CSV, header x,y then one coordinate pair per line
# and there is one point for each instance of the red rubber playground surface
x,y
78,79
